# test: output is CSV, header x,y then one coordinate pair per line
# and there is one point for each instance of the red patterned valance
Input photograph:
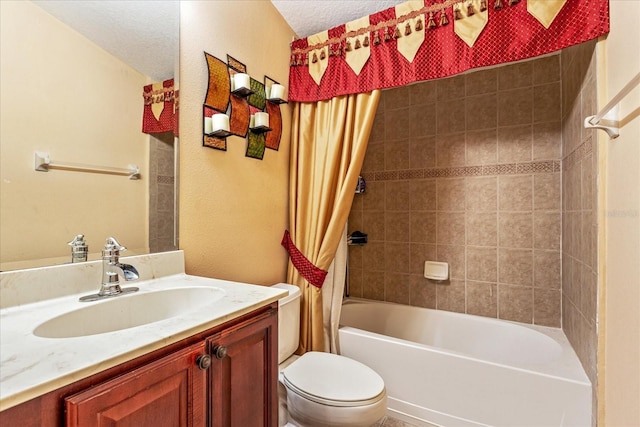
x,y
370,53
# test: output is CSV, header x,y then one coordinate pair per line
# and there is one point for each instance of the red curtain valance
x,y
511,33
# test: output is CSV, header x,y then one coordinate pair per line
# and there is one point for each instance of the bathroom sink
x,y
128,311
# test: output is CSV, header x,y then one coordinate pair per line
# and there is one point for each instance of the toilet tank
x,y
288,321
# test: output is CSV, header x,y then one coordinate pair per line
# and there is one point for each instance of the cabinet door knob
x,y
220,352
203,361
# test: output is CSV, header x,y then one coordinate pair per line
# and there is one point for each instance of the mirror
x,y
72,80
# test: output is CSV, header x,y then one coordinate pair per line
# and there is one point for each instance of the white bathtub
x,y
454,369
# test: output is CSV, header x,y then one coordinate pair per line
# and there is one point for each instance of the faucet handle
x,y
112,244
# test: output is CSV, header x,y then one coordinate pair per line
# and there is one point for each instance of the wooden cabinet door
x,y
244,374
169,392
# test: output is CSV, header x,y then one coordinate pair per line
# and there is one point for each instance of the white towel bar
x,y
42,163
611,125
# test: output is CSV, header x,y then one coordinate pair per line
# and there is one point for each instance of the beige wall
x,y
63,94
466,170
233,209
620,368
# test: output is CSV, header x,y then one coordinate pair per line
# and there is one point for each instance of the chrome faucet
x,y
112,268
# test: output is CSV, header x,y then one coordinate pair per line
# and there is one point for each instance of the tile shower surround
x,y
466,170
579,208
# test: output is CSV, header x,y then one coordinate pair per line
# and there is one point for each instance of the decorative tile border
x,y
164,179
548,166
577,155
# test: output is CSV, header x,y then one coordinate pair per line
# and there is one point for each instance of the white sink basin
x,y
127,311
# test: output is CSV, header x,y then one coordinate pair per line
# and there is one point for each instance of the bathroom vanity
x,y
211,362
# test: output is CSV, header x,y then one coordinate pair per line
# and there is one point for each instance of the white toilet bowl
x,y
322,389
325,389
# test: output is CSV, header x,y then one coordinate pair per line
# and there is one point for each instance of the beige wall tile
x,y
423,93
451,88
373,256
396,98
482,228
546,102
589,295
482,264
482,299
546,269
451,228
397,288
515,107
482,111
546,70
450,116
515,75
450,150
419,254
397,124
423,227
397,196
515,193
486,231
423,121
483,81
515,303
377,130
355,282
451,296
515,144
355,221
515,266
515,230
546,234
482,147
373,285
481,193
450,194
546,307
546,191
423,292
373,223
547,141
396,226
396,154
422,152
455,256
374,159
423,194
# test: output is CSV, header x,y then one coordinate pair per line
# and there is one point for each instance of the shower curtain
x,y
329,141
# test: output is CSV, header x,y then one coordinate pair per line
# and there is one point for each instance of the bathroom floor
x,y
394,422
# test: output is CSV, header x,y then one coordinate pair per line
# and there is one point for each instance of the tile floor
x,y
388,421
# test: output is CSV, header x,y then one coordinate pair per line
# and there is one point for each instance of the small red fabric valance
x,y
511,33
310,272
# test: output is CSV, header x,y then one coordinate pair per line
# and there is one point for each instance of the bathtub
x,y
453,369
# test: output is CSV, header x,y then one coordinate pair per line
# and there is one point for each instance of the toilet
x,y
322,389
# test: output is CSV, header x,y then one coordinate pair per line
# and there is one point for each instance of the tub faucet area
x,y
112,269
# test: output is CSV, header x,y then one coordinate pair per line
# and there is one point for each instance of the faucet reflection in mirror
x,y
111,270
79,249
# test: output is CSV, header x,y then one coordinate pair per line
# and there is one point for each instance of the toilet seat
x,y
333,380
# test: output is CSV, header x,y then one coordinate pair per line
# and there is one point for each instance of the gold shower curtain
x,y
328,143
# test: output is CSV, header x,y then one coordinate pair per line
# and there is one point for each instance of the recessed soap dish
x,y
434,270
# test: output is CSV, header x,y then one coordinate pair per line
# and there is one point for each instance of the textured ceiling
x,y
142,33
307,17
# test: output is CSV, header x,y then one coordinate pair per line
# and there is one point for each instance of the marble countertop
x,y
31,365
